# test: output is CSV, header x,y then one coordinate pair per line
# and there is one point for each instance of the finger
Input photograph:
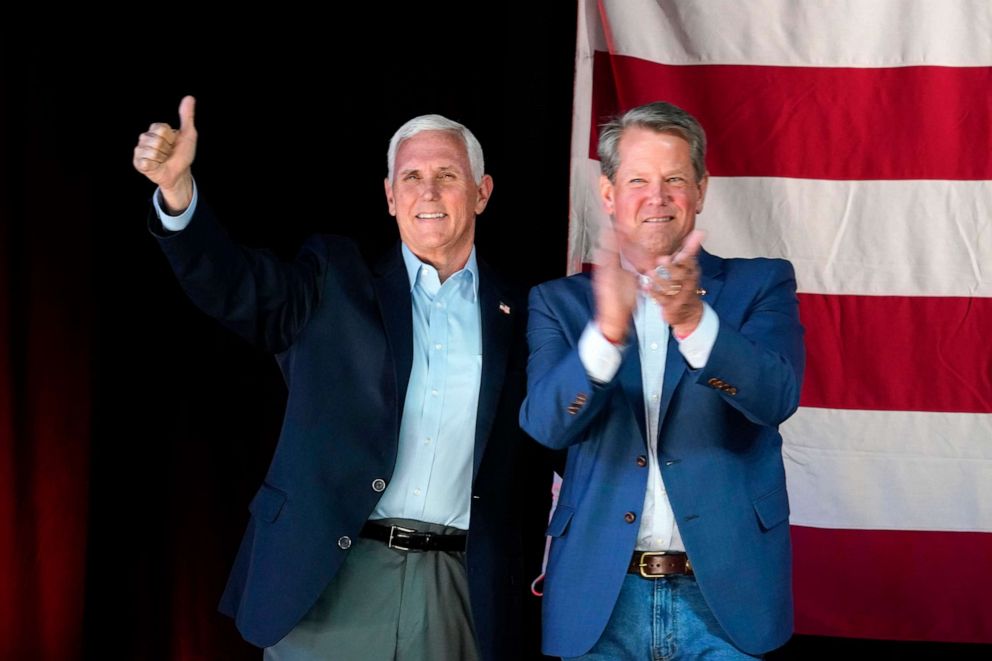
x,y
690,247
163,131
145,164
187,111
150,153
157,142
660,285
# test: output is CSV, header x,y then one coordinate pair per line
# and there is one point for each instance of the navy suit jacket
x,y
342,332
718,447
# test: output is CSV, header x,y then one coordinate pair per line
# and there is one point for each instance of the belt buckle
x,y
641,565
403,534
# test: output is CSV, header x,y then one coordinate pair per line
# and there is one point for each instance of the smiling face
x,y
654,197
435,199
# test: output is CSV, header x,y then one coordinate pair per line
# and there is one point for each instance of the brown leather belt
x,y
408,539
658,564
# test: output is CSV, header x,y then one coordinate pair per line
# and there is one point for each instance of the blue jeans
x,y
662,618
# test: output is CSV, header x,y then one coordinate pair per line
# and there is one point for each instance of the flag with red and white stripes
x,y
853,138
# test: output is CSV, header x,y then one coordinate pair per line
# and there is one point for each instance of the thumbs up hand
x,y
165,155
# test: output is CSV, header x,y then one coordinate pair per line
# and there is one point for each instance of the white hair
x,y
437,123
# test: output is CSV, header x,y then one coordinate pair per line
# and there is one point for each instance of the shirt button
x,y
438,346
642,461
344,543
654,398
434,392
439,305
629,517
416,492
654,346
427,441
378,485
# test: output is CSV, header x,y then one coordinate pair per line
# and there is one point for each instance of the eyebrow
x,y
637,171
443,168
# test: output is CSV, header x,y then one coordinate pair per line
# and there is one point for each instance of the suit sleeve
x,y
251,292
561,400
758,367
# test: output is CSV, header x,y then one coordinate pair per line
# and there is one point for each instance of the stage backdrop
x,y
854,139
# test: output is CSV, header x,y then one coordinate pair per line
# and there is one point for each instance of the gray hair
x,y
660,117
437,123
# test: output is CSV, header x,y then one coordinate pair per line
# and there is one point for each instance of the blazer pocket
x,y
772,508
559,521
267,503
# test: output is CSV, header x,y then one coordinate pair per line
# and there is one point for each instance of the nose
x,y
430,190
659,193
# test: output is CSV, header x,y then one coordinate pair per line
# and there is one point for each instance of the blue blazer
x,y
718,447
342,331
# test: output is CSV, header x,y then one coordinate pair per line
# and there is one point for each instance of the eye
x,y
637,180
447,175
676,181
411,176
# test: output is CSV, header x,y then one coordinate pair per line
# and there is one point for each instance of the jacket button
x,y
629,517
378,485
642,461
344,543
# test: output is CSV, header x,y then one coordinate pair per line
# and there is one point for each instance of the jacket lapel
x,y
497,334
632,382
392,288
711,280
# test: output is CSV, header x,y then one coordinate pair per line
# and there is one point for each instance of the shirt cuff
x,y
599,356
174,223
697,346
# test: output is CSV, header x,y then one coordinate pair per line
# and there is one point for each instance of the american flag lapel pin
x,y
504,308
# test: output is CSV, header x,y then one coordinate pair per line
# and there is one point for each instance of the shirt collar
x,y
414,266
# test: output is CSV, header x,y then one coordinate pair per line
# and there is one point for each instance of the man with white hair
x,y
388,525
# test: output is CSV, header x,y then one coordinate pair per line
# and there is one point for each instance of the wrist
x,y
684,330
177,198
612,334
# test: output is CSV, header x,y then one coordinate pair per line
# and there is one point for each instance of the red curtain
x,y
45,376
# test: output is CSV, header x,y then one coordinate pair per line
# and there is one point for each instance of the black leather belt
x,y
658,564
408,539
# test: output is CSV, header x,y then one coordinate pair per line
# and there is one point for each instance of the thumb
x,y
690,247
187,108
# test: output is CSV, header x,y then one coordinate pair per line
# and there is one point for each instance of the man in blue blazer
x,y
389,523
665,374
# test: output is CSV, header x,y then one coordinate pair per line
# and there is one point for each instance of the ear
x,y
703,183
389,197
484,191
606,193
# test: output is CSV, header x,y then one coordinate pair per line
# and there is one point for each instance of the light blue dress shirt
x,y
432,480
